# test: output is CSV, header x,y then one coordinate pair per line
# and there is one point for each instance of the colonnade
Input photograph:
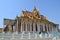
x,y
34,27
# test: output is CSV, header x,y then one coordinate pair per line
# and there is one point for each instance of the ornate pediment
x,y
34,14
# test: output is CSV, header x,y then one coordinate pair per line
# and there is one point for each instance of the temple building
x,y
30,23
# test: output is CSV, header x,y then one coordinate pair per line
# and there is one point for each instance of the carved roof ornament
x,y
33,15
35,10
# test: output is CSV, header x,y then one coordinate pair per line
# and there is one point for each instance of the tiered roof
x,y
34,15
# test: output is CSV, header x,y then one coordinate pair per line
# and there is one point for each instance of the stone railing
x,y
22,36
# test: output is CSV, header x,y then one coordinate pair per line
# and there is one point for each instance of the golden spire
x,y
34,10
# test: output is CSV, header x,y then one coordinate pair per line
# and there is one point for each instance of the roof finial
x,y
34,10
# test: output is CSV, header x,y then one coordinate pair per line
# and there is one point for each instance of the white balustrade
x,y
24,35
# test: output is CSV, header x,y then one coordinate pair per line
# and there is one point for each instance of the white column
x,y
17,27
37,28
9,28
30,27
47,27
34,27
21,26
43,27
26,27
50,28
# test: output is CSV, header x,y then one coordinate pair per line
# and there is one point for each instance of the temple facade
x,y
30,23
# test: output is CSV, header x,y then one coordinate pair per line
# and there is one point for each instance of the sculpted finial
x,y
34,9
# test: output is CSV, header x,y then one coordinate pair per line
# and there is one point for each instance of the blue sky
x,y
11,8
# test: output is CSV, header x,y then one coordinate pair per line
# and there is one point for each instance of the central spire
x,y
34,10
